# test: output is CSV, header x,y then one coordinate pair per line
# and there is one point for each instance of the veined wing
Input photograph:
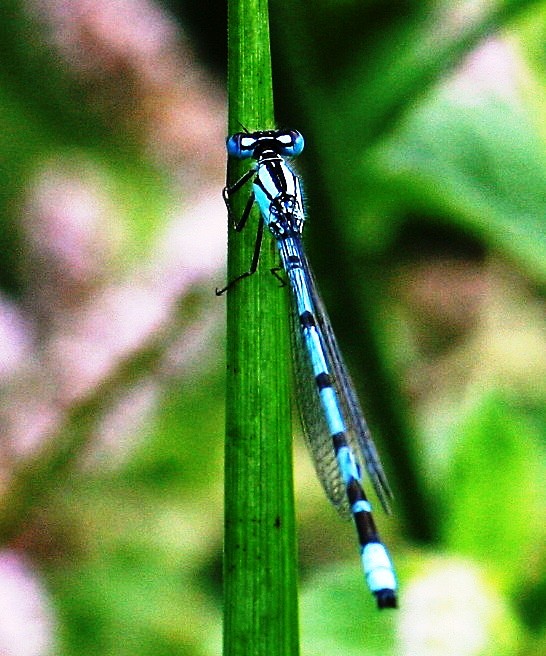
x,y
317,435
315,429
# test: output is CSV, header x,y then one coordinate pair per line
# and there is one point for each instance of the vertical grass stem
x,y
260,569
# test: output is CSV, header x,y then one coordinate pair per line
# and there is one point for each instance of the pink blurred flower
x,y
26,619
139,68
15,340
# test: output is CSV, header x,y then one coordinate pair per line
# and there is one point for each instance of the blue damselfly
x,y
334,426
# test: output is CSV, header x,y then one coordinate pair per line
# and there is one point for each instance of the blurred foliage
x,y
425,171
46,112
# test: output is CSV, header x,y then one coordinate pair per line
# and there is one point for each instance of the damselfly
x,y
335,430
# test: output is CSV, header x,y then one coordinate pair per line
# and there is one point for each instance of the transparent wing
x,y
316,432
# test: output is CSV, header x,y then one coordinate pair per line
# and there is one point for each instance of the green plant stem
x,y
260,567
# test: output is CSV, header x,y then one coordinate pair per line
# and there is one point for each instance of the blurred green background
x,y
425,179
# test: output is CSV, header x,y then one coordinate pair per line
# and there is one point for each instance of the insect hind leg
x,y
256,255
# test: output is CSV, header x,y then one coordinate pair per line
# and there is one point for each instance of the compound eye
x,y
240,145
292,143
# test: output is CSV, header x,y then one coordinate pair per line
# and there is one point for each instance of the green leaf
x,y
340,616
482,167
495,490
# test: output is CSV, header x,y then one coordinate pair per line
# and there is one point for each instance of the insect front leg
x,y
239,224
255,257
276,271
229,190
